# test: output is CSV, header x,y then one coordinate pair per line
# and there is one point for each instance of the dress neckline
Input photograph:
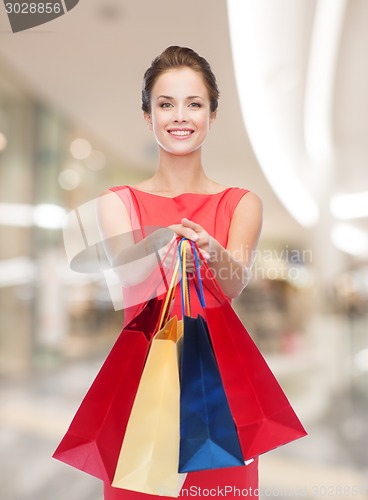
x,y
178,195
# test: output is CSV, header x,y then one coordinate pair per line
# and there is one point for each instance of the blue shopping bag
x,y
208,436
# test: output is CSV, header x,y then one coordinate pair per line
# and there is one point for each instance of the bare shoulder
x,y
246,223
110,207
104,193
106,199
250,202
248,215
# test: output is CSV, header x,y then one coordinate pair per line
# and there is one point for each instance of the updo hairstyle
x,y
176,57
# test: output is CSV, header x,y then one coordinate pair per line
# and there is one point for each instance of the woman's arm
x,y
132,262
231,266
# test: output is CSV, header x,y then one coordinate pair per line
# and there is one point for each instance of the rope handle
x,y
181,266
171,289
210,275
199,289
184,285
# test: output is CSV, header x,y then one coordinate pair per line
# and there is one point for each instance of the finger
x,y
190,269
205,255
186,232
193,225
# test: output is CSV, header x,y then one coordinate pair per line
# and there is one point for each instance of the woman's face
x,y
180,115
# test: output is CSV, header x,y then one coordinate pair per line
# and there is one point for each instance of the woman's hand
x,y
231,266
193,231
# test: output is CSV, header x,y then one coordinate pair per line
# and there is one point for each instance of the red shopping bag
x,y
262,413
93,440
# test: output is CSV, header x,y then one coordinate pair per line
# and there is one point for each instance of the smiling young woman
x,y
180,116
179,102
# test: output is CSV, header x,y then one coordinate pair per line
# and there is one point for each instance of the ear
x,y
148,119
213,117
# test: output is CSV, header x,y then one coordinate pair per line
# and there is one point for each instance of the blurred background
x,y
292,126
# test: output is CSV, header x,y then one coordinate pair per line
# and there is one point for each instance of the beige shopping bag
x,y
149,456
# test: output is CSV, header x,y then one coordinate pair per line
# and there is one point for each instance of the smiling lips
x,y
180,133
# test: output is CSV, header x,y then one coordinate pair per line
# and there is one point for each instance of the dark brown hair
x,y
175,57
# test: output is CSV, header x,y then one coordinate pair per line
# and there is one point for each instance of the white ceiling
x,y
89,64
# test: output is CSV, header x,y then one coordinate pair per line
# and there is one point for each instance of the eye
x,y
195,105
165,105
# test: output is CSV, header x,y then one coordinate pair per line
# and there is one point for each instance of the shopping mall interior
x,y
292,126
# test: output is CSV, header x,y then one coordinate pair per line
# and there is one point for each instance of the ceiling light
x,y
350,239
350,206
80,149
361,360
47,216
320,78
268,124
69,179
16,215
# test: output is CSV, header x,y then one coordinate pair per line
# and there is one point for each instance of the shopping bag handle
x,y
199,288
171,289
211,277
215,290
184,286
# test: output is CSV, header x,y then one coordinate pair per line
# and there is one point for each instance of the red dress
x,y
214,213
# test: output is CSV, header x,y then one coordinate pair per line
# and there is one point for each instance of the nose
x,y
180,114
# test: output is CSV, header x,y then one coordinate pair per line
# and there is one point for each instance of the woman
x,y
179,101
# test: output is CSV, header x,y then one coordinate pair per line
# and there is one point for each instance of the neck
x,y
179,174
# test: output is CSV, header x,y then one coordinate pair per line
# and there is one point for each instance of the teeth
x,y
180,132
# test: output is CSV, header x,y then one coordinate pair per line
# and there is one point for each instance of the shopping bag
x,y
93,440
262,413
148,460
208,437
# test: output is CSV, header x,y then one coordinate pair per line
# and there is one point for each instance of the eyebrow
x,y
172,98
